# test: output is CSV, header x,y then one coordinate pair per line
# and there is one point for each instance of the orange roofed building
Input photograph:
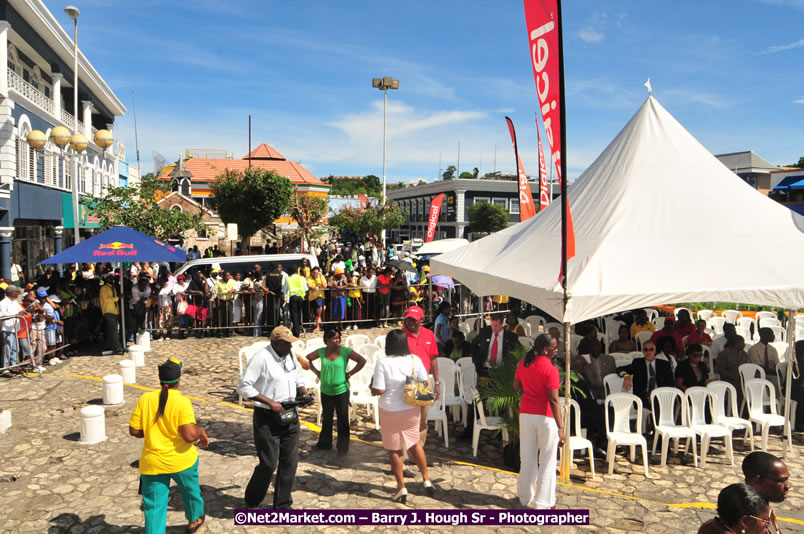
x,y
192,177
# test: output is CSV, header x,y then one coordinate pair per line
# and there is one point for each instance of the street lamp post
x,y
73,12
383,84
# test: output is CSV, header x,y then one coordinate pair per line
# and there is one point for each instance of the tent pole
x,y
788,381
430,298
122,309
565,464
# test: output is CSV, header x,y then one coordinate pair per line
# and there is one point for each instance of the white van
x,y
245,264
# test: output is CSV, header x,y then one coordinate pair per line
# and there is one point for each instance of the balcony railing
x,y
69,121
30,92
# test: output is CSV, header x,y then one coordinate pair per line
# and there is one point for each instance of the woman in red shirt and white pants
x,y
540,426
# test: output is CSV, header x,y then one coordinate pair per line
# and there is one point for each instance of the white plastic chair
x,y
612,327
355,341
298,347
781,349
478,323
726,410
716,324
749,371
731,315
750,324
314,343
244,355
380,341
619,433
696,399
642,337
665,425
652,313
484,423
360,392
758,392
744,332
778,331
576,441
560,327
369,351
526,342
677,310
781,375
535,321
622,358
438,411
704,314
769,321
766,315
575,340
612,384
448,376
467,382
658,322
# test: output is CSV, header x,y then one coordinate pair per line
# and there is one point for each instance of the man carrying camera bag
x,y
273,382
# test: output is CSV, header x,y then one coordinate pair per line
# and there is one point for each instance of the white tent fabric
x,y
658,220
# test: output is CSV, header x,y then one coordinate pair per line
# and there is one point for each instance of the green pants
x,y
155,491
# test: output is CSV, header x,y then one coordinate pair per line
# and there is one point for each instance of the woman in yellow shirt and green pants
x,y
166,420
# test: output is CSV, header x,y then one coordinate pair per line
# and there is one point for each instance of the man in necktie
x,y
492,343
643,375
765,355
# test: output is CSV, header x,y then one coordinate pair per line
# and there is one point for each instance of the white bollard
x,y
128,372
144,341
137,355
93,425
112,389
5,420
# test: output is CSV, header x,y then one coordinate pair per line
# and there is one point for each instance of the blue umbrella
x,y
119,244
442,280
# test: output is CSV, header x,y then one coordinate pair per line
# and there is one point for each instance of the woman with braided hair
x,y
166,421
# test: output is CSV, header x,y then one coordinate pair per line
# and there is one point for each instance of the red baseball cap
x,y
416,312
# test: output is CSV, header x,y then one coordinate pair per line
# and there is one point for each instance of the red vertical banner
x,y
526,207
542,19
544,188
364,201
432,221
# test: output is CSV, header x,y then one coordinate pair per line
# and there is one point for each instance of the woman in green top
x,y
334,388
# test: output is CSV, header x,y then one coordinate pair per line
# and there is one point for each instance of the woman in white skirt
x,y
399,422
540,427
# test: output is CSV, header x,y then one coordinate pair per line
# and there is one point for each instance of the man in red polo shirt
x,y
422,343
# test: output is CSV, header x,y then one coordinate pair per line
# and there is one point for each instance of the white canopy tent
x,y
658,219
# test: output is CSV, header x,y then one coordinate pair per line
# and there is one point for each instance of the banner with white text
x,y
526,207
435,211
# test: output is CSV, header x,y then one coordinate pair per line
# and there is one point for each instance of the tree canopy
x,y
370,222
252,200
308,212
369,185
449,174
136,206
487,218
800,163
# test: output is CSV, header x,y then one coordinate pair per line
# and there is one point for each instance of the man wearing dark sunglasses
x,y
643,375
769,476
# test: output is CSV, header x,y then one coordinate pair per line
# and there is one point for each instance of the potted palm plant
x,y
502,400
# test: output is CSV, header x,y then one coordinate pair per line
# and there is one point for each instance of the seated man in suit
x,y
643,375
599,366
491,345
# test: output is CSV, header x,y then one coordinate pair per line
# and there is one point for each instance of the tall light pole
x,y
73,12
383,84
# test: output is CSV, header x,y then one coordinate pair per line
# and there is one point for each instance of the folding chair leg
x,y
610,455
645,457
591,461
694,450
665,444
704,449
633,453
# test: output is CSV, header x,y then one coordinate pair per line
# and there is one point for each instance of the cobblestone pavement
x,y
52,483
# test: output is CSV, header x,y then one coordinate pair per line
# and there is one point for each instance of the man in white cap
x,y
272,378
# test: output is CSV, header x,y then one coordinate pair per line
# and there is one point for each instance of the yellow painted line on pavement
x,y
315,428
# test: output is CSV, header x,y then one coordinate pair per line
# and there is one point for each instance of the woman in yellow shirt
x,y
166,421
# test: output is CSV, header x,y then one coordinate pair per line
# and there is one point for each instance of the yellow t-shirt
x,y
647,327
165,451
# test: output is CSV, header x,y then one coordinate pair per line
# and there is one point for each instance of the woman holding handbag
x,y
399,421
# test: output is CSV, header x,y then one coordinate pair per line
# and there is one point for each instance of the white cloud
x,y
799,101
591,35
780,48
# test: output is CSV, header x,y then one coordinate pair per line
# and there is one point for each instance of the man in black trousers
x,y
271,378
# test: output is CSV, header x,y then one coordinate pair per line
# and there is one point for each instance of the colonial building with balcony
x,y
37,93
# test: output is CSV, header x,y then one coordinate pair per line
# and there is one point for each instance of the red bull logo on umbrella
x,y
115,248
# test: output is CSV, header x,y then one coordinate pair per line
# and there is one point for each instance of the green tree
x,y
487,218
252,200
397,185
136,207
475,173
466,175
370,222
800,163
449,174
308,212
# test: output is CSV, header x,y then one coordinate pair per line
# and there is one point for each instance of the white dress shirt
x,y
266,374
491,362
8,308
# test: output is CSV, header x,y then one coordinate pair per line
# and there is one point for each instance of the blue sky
x,y
729,71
